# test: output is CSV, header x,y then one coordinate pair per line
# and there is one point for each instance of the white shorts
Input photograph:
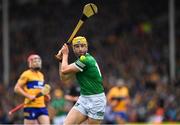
x,y
92,106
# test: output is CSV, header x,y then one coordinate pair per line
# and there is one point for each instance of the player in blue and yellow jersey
x,y
29,85
91,104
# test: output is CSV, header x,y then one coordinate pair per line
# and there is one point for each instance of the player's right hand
x,y
31,97
65,49
59,55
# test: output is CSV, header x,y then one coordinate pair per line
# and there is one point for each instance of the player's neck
x,y
35,69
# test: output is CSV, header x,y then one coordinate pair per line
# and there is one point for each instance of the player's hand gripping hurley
x,y
89,10
43,92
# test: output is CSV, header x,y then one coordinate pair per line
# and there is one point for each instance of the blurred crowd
x,y
129,40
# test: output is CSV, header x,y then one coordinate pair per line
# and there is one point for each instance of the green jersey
x,y
89,77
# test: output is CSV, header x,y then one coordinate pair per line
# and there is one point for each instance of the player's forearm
x,y
64,64
19,90
63,76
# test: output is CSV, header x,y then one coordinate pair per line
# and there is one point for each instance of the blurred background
x,y
135,42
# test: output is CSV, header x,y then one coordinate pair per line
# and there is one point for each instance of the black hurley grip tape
x,y
68,43
84,17
92,9
39,94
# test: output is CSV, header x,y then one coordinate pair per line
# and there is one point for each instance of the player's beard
x,y
79,54
36,68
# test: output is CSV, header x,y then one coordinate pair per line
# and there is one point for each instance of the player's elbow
x,y
16,89
63,71
62,74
